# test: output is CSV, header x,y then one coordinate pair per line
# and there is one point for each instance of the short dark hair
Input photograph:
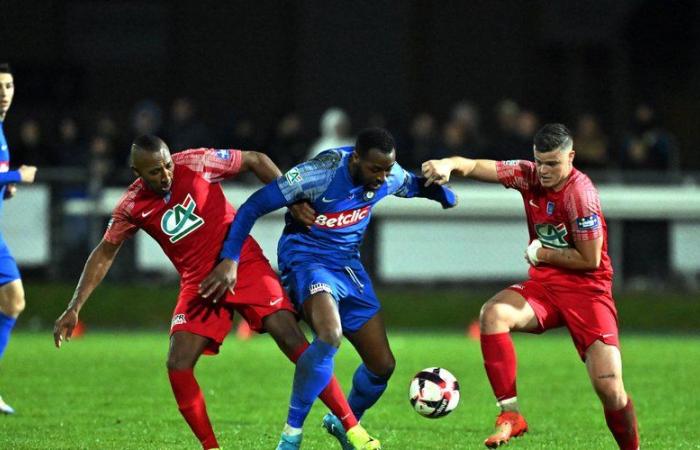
x,y
5,68
378,138
148,143
553,136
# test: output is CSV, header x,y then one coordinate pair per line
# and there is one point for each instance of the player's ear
x,y
135,172
355,157
572,154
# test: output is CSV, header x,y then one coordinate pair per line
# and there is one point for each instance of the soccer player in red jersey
x,y
570,279
178,200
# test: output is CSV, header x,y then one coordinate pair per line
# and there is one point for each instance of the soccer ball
x,y
434,392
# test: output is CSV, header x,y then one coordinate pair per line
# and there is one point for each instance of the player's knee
x,y
385,368
15,306
330,334
493,313
179,362
611,392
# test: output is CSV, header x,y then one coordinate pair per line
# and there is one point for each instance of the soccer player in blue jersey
x,y
321,267
11,290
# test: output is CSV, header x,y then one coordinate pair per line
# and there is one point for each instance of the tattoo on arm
x,y
607,375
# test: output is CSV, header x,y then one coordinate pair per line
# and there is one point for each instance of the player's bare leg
x,y
11,306
604,366
505,312
185,350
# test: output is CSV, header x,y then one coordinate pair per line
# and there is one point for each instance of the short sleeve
x,y
310,179
120,226
584,214
516,174
214,165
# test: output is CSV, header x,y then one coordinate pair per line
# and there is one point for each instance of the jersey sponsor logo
x,y
147,213
552,236
342,219
588,222
315,288
223,154
178,319
276,301
328,200
181,220
293,176
533,204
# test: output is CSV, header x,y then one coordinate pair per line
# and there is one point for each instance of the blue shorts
x,y
350,287
8,266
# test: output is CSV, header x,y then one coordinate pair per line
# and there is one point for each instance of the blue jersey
x,y
8,266
343,209
6,176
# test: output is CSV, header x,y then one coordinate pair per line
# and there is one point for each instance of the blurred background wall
x,y
474,78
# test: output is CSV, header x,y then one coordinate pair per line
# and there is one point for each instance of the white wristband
x,y
532,251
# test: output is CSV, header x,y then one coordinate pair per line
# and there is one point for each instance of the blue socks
x,y
6,324
313,372
366,390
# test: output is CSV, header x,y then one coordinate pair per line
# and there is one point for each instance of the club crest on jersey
x,y
368,195
552,236
550,208
181,220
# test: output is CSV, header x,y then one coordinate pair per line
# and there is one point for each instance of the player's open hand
x,y
303,212
437,171
10,191
64,325
221,279
27,173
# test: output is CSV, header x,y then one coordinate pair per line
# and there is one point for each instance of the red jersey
x,y
558,219
191,222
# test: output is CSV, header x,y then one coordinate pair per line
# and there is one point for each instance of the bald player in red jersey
x,y
178,200
570,279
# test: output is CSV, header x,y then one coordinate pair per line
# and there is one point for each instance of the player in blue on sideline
x,y
321,266
11,289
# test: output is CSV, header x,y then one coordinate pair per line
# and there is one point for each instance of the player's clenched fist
x,y
27,173
222,278
64,325
437,171
303,212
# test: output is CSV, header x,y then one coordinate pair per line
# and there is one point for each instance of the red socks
x,y
332,396
623,425
500,363
190,401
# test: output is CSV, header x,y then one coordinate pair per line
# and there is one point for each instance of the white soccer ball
x,y
434,392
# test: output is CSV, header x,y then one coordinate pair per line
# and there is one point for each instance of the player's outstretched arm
x,y
25,174
261,165
96,267
438,171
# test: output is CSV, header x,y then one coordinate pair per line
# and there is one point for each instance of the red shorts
x,y
589,316
257,295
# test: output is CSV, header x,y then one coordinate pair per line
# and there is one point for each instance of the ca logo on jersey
x,y
181,220
552,236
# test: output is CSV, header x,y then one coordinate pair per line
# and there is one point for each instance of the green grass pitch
x,y
110,391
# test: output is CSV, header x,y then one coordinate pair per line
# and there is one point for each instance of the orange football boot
x,y
509,424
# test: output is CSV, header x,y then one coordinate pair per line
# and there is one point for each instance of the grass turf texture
x,y
110,391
